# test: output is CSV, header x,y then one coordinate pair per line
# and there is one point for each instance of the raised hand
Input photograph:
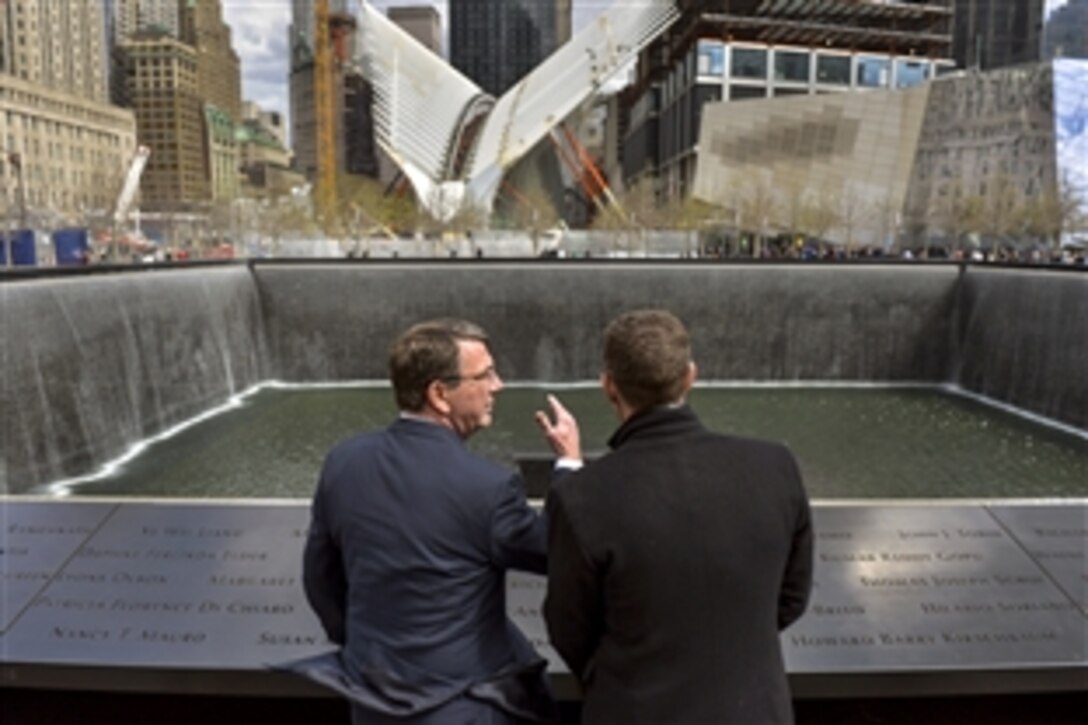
x,y
560,430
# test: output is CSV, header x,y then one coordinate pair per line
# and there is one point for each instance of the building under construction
x,y
732,50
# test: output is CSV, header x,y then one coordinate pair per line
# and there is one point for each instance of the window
x,y
749,63
833,69
791,66
910,73
739,93
711,58
873,72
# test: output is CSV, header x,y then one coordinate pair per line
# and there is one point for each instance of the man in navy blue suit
x,y
410,538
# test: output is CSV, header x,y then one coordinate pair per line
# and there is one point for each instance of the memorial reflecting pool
x,y
865,442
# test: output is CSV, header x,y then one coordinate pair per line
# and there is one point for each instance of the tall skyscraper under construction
x,y
997,33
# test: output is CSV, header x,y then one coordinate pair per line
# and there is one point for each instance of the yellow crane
x,y
325,186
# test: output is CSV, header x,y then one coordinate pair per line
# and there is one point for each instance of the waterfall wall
x,y
1023,340
95,362
752,322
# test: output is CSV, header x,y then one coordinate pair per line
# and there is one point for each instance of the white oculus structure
x,y
453,141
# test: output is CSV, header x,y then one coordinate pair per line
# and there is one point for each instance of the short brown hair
x,y
425,352
647,354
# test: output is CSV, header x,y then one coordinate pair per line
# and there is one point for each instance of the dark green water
x,y
851,442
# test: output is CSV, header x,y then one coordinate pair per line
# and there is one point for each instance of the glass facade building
x,y
742,50
495,43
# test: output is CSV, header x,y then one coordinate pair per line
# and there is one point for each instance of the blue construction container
x,y
23,250
71,246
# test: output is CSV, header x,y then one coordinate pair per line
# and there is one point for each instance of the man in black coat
x,y
675,560
410,539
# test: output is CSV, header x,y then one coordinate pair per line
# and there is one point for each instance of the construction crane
x,y
325,186
128,192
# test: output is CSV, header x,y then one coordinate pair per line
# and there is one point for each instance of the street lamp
x,y
15,159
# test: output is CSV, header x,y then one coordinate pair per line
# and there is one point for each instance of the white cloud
x,y
259,36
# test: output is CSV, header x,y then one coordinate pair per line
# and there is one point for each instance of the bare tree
x,y
366,199
535,211
849,214
960,213
819,213
1002,207
794,200
757,210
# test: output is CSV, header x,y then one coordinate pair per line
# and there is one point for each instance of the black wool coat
x,y
673,563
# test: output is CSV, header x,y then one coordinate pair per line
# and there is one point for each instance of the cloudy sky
x,y
260,38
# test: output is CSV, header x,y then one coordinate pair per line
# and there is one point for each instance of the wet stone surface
x,y
217,587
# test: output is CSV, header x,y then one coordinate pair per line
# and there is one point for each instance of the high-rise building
x,y
268,122
496,43
125,19
219,78
57,45
732,50
65,149
422,22
185,88
161,75
264,159
301,81
301,29
1066,30
219,87
131,16
997,33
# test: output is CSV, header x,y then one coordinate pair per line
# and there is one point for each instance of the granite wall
x,y
750,322
93,363
1023,339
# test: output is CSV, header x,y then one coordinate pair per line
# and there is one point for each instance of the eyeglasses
x,y
488,373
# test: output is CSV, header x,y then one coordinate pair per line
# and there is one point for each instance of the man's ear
x,y
436,397
691,376
609,388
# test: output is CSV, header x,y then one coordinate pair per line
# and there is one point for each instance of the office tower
x,y
64,147
997,33
123,20
269,122
733,50
497,42
126,18
219,79
130,16
422,22
300,37
264,160
219,87
1066,30
302,20
161,75
58,44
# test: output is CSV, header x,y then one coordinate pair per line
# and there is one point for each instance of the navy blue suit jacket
x,y
404,565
